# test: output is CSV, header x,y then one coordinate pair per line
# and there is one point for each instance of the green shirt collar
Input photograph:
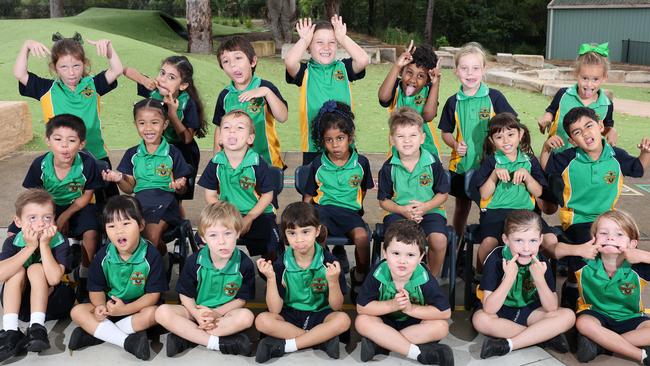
x,y
602,97
292,266
138,256
354,157
600,272
231,267
83,84
426,159
418,278
502,159
483,91
56,240
254,83
250,159
607,153
162,150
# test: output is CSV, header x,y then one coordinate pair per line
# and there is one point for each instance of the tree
x,y
282,15
199,26
332,7
428,28
56,8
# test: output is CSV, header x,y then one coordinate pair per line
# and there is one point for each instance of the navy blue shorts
x,y
491,223
616,326
304,319
263,236
159,205
83,220
192,156
399,324
339,221
457,185
431,223
517,315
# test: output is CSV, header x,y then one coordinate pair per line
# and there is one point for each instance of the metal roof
x,y
596,4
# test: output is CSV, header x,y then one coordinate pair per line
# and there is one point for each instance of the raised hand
x,y
172,104
266,268
103,46
406,57
520,176
544,124
340,29
434,74
37,48
644,145
502,174
332,271
588,250
305,29
510,267
553,142
537,269
112,176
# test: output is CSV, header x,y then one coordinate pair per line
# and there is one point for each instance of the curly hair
x,y
332,115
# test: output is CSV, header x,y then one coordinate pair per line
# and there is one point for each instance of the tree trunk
x,y
371,17
199,26
282,17
56,8
332,7
428,28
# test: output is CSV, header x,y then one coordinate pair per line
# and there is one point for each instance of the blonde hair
x,y
622,219
240,113
471,48
592,58
404,116
33,195
220,212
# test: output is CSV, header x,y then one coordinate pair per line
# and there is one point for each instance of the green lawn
x,y
628,92
142,41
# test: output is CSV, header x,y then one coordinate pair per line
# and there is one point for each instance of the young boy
x,y
413,184
238,175
323,77
31,265
610,308
215,284
414,81
247,91
592,175
518,307
400,306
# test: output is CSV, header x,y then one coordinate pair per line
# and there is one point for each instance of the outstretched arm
x,y
20,67
305,30
360,58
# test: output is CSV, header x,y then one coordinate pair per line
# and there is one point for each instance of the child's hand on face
x,y
502,174
112,176
588,250
172,104
266,268
644,145
406,57
46,235
178,184
100,312
305,29
520,176
260,92
510,267
340,29
632,255
103,46
434,74
537,269
37,48
150,83
30,236
553,142
461,148
114,305
332,271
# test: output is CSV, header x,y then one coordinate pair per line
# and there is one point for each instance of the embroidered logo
x,y
318,285
425,179
338,75
484,114
255,105
88,92
231,289
610,177
75,187
419,100
354,181
528,285
627,288
137,278
163,170
246,183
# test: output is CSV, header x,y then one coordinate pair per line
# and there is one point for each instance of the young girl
x,y
610,308
125,282
468,112
338,180
518,306
154,170
510,177
73,90
174,85
323,77
591,70
306,298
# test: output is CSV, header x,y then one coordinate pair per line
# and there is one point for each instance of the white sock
x,y
37,318
643,355
509,344
107,331
126,325
414,352
83,271
10,322
213,343
290,345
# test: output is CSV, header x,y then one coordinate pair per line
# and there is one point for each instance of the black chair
x,y
183,237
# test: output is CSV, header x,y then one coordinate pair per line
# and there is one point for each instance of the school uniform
x,y
416,101
212,287
242,187
188,114
62,298
469,117
523,298
507,196
427,179
305,291
319,83
616,302
566,99
338,191
266,142
153,172
422,287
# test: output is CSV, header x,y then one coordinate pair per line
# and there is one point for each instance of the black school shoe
x,y
494,347
369,349
9,343
176,344
137,344
236,344
36,339
558,343
587,349
80,339
331,347
268,348
436,354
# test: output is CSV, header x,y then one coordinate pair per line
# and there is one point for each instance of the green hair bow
x,y
601,49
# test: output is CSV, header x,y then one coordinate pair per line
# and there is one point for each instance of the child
x,y
73,90
610,308
323,77
247,91
468,113
413,184
215,284
125,282
174,85
518,307
509,178
591,70
338,180
31,265
592,176
238,175
400,306
416,87
154,170
306,298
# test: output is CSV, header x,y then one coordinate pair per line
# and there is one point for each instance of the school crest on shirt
x,y
75,187
419,99
255,105
88,92
627,288
338,75
425,179
610,177
354,181
246,183
137,278
484,114
318,285
231,289
163,170
528,285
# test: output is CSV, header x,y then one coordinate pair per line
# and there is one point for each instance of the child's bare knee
x,y
342,321
481,321
35,271
586,324
80,311
437,241
362,322
163,313
263,321
245,318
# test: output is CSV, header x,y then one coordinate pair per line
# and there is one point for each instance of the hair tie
x,y
77,38
601,49
57,37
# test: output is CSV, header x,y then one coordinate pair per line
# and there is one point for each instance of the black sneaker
x,y
80,339
436,354
331,347
368,349
558,344
268,348
36,339
587,349
342,256
9,340
176,344
236,344
137,344
494,347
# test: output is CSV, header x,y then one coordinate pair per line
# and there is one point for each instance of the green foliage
x,y
397,36
314,9
442,42
248,23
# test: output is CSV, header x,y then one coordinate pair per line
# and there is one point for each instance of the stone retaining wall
x,y
16,126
